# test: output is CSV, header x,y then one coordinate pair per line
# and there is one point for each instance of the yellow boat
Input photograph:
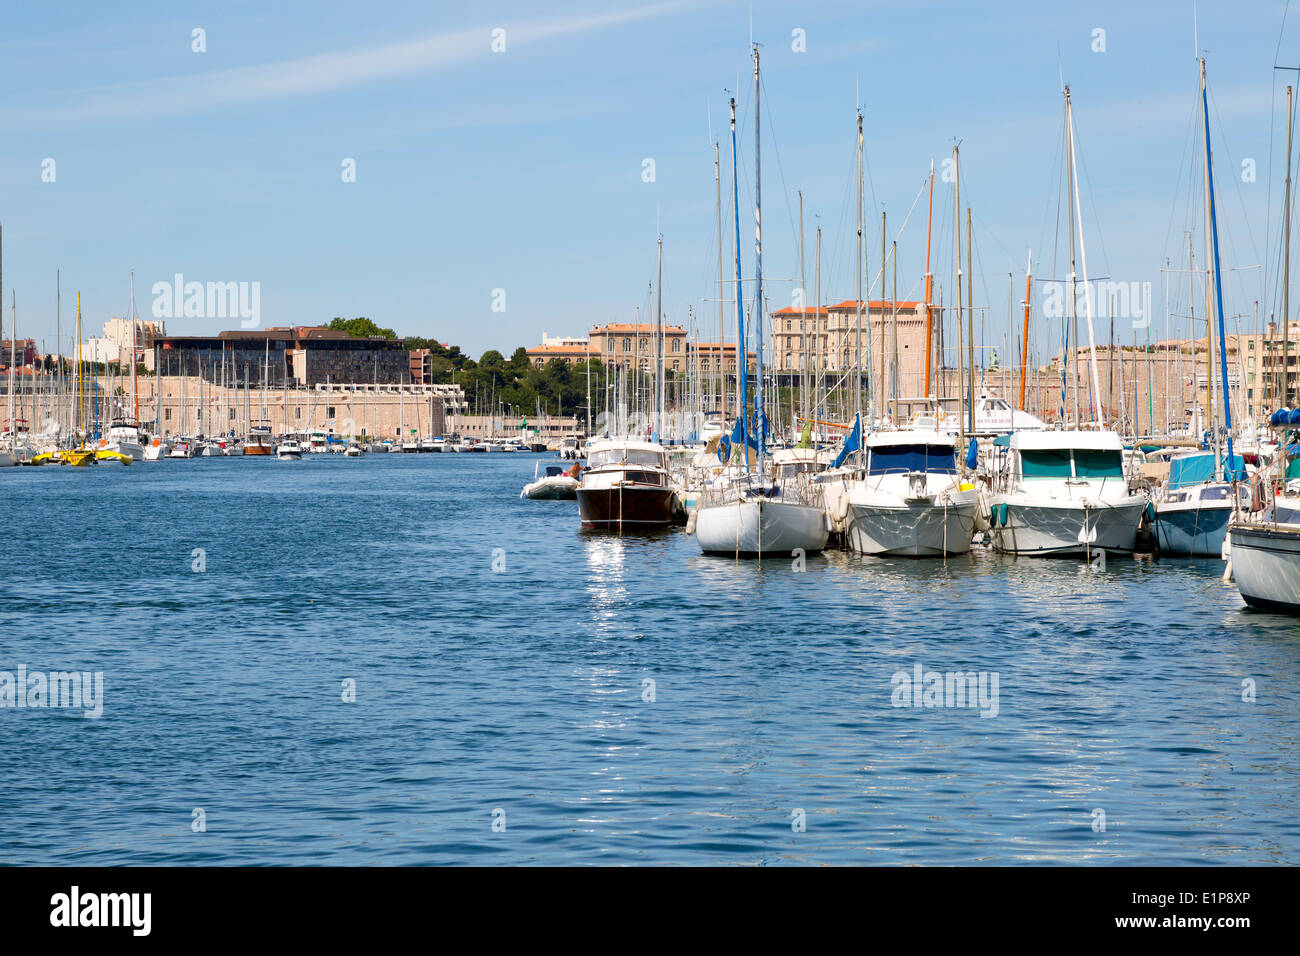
x,y
66,456
106,454
81,455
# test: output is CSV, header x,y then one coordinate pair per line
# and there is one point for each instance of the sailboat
x,y
9,455
81,455
1065,492
125,439
748,510
1198,499
1263,546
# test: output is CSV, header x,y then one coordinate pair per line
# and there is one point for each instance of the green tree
x,y
360,328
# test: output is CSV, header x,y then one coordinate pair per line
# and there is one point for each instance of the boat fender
x,y
981,520
1150,511
690,522
842,508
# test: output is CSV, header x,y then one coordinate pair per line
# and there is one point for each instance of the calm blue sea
x,y
581,698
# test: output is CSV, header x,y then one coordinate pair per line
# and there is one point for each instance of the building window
x,y
676,365
329,411
167,414
677,345
297,413
627,345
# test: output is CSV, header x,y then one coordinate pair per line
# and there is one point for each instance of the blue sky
x,y
522,170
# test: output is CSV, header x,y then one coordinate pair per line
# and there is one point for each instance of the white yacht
x,y
911,502
1064,493
125,438
288,450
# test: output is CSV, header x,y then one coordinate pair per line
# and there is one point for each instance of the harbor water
x,y
396,660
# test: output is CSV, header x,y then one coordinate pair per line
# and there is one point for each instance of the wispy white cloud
x,y
309,75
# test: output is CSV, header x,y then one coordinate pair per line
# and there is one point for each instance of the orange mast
x,y
1024,342
929,283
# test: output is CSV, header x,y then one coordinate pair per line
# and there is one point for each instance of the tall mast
x,y
859,268
135,388
742,352
1218,286
1209,302
893,296
880,389
1024,344
970,327
929,284
956,262
817,322
1286,268
758,274
659,345
717,188
803,317
81,438
1083,252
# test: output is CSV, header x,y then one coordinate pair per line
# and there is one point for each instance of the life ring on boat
x,y
941,414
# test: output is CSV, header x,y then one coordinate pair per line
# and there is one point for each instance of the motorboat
x,y
1064,493
627,486
910,501
289,450
551,481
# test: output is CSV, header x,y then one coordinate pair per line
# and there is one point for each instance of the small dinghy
x,y
551,481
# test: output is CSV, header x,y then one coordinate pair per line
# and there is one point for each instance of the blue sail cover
x,y
1199,470
851,443
973,455
1285,417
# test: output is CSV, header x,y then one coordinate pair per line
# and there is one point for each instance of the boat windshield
x,y
1055,463
631,456
902,459
1098,464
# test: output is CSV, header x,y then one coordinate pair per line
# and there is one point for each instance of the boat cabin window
x,y
644,477
793,468
1216,493
1056,463
553,470
1098,464
632,456
901,459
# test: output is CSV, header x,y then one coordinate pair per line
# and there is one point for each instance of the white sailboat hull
x,y
760,526
1266,566
1066,527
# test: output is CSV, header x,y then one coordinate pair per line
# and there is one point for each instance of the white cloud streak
x,y
309,75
